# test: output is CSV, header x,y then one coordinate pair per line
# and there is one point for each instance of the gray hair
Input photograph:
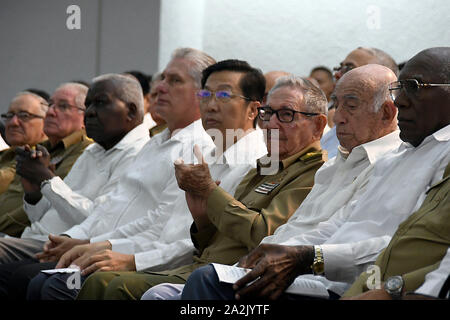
x,y
81,90
315,99
127,89
42,102
199,59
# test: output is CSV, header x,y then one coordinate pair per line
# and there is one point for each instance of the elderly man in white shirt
x,y
367,132
115,123
232,91
341,247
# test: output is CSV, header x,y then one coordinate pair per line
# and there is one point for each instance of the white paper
x,y
307,287
61,270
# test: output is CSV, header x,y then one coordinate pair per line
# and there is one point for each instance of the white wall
x,y
296,35
37,49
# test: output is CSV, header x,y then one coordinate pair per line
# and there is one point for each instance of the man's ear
x,y
132,111
252,110
320,121
389,111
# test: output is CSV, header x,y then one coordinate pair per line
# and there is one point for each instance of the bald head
x,y
373,79
365,111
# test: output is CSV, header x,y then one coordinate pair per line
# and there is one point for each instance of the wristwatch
x,y
318,267
394,286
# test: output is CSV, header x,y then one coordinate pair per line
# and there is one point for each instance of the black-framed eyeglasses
x,y
410,86
284,115
63,106
220,95
21,115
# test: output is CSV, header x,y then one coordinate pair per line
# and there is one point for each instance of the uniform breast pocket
x,y
438,218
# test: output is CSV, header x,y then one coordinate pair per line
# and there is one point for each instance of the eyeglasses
x,y
344,68
411,87
63,106
284,115
221,95
21,115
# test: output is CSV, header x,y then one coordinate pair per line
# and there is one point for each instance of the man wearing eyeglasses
x,y
63,125
226,226
359,57
350,241
24,125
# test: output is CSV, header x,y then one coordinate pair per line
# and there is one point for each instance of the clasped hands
x,y
274,268
89,257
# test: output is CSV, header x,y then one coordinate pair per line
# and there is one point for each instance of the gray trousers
x,y
16,249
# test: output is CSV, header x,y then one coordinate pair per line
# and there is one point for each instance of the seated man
x,y
24,125
341,247
226,227
416,248
232,91
366,134
63,125
160,124
357,58
113,121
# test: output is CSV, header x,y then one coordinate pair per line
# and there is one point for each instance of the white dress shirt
x,y
148,121
335,184
95,173
435,280
169,245
3,144
353,237
148,186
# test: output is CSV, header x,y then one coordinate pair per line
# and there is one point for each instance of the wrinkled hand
x,y
107,260
198,207
195,178
375,294
274,267
56,247
34,164
80,253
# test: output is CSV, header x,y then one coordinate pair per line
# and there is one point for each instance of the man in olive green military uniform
x,y
24,125
225,228
417,248
63,125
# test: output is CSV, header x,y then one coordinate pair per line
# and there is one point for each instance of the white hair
x,y
315,99
81,90
199,59
42,102
127,89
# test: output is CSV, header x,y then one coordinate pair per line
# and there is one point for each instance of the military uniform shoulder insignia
x,y
311,156
266,187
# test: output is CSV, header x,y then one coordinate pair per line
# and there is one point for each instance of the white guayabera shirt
x,y
168,244
149,182
352,238
95,173
336,183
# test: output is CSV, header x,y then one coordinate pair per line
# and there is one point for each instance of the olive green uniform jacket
x,y
418,245
13,218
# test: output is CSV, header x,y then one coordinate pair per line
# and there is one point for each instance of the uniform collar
x,y
283,164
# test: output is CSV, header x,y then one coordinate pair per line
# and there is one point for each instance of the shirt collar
x,y
68,141
375,149
441,135
132,136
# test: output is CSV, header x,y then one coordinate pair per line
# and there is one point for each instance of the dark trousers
x,y
203,284
59,286
15,277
